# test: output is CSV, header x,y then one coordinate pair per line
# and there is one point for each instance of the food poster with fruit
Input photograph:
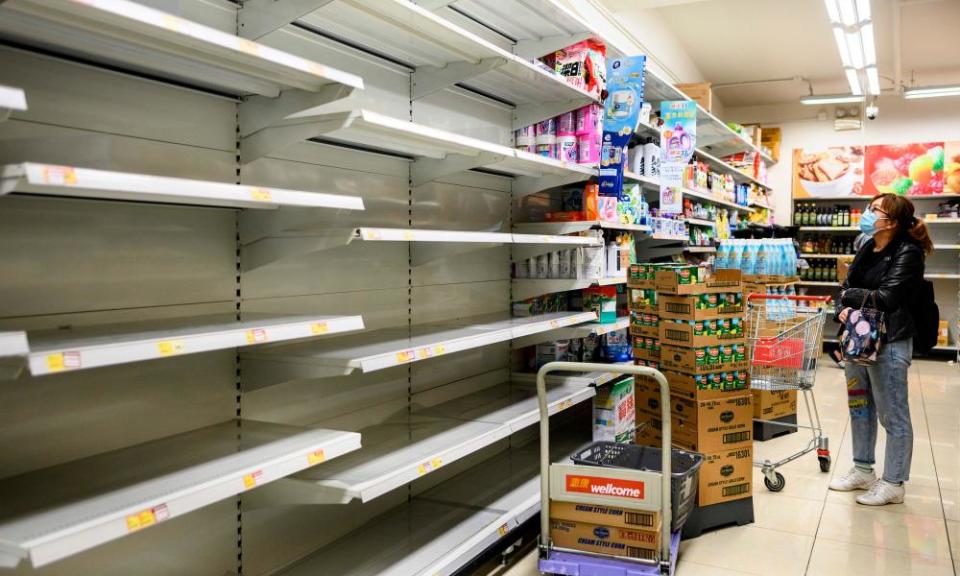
x,y
904,169
678,139
951,167
834,172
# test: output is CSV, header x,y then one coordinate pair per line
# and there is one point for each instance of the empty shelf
x,y
380,349
709,197
524,288
576,226
11,99
410,446
54,513
133,36
54,351
424,235
70,181
568,378
580,331
719,165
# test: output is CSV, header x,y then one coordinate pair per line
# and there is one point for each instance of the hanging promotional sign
x,y
678,139
621,114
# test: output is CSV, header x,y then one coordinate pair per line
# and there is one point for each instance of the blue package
x,y
621,114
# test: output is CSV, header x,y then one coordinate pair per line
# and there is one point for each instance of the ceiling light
x,y
856,52
854,81
873,81
841,39
832,12
931,92
863,10
848,14
831,99
869,47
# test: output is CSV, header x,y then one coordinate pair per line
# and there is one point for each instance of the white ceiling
x,y
734,41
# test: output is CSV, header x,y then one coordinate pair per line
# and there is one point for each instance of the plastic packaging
x,y
567,150
588,148
546,132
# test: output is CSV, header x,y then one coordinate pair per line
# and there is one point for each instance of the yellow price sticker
x,y
170,347
502,530
316,457
319,328
147,518
565,404
55,362
256,336
427,467
407,235
261,194
405,356
372,235
61,361
424,353
554,324
250,480
172,23
62,175
439,349
249,47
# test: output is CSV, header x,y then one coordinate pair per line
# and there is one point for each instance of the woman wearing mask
x,y
887,268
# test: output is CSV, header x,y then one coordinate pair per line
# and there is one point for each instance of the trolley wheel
x,y
824,463
777,485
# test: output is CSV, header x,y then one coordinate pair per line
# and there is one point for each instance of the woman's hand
x,y
843,314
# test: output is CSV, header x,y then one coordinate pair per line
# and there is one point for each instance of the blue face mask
x,y
868,223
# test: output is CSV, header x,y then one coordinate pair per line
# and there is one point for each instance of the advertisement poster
x,y
678,139
835,172
621,114
905,169
951,167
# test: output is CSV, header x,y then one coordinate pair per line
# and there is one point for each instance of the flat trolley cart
x,y
785,339
619,476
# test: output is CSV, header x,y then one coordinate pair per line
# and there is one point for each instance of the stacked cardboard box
x,y
703,354
644,314
605,529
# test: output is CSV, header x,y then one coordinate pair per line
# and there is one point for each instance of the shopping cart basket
x,y
785,339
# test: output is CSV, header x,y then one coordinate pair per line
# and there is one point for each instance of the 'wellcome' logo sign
x,y
605,486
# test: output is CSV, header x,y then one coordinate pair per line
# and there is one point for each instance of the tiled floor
x,y
808,530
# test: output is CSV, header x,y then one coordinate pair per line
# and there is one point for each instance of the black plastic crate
x,y
683,480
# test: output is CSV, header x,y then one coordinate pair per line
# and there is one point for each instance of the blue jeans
x,y
880,391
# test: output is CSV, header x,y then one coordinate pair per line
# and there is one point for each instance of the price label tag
x,y
547,239
260,195
256,336
502,530
439,349
554,324
59,175
316,457
146,518
170,347
251,480
61,361
408,235
405,356
319,328
564,405
372,235
172,23
249,47
429,466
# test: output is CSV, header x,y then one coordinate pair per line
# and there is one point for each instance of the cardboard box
x,y
641,276
614,412
943,333
701,333
643,300
699,91
769,405
725,476
671,281
646,349
716,385
770,139
725,357
701,306
712,425
607,540
605,515
647,397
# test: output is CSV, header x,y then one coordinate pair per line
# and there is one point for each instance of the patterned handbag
x,y
863,334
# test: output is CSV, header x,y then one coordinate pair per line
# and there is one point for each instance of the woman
x,y
887,268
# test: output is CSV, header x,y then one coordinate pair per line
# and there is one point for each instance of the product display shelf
x,y
829,229
57,351
11,99
580,331
912,197
650,181
111,495
576,226
524,288
720,166
937,221
708,197
946,246
389,347
699,222
831,256
411,445
818,283
760,205
138,38
13,349
444,54
76,182
700,249
443,529
941,276
578,378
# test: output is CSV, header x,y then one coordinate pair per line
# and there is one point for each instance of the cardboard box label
x,y
692,280
635,489
769,405
612,540
605,515
725,476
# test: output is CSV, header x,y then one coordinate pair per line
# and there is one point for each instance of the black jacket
x,y
904,273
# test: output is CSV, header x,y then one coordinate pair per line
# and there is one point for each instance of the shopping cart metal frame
x,y
669,544
782,368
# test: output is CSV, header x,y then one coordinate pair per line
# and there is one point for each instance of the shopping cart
x,y
784,335
626,473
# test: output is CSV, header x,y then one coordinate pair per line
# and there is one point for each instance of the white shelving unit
x,y
708,197
122,492
381,349
75,182
940,221
700,222
131,35
830,256
580,331
829,229
700,249
11,99
577,226
57,351
411,446
524,288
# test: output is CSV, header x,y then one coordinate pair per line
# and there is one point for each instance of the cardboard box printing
x,y
693,280
725,357
605,515
769,405
711,305
712,386
701,333
607,540
725,476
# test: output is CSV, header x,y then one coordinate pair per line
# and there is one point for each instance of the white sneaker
x,y
855,479
882,493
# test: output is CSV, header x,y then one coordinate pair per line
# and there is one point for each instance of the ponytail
x,y
921,235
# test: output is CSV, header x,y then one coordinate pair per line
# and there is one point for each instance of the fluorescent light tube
x,y
832,11
863,10
841,38
873,81
856,52
848,14
854,81
931,92
869,47
831,99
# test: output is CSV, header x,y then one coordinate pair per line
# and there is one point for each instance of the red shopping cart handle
x,y
788,297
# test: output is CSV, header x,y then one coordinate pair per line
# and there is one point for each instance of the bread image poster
x,y
834,172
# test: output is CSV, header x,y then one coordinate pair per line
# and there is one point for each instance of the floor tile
x,y
832,558
778,511
918,501
751,549
687,568
875,527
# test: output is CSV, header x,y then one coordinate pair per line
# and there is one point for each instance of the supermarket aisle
x,y
806,529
